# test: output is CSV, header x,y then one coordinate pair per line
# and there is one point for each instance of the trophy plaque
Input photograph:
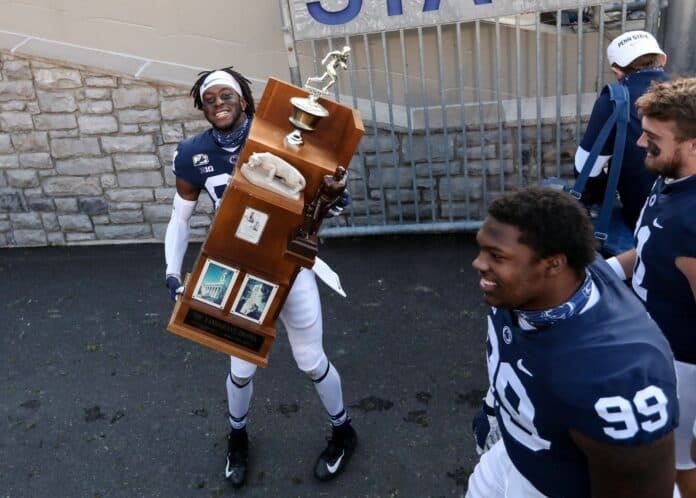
x,y
291,170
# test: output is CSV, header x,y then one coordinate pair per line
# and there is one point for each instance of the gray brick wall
x,y
84,156
445,177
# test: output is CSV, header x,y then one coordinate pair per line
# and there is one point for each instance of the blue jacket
x,y
634,182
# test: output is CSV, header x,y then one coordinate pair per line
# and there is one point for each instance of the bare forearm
x,y
647,484
627,260
687,266
646,471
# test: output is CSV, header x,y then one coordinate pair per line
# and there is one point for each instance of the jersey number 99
x,y
649,402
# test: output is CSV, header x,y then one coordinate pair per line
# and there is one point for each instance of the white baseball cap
x,y
627,47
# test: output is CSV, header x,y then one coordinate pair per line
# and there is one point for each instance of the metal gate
x,y
457,113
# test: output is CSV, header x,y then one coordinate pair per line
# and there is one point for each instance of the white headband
x,y
220,78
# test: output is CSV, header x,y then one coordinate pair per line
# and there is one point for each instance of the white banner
x,y
335,18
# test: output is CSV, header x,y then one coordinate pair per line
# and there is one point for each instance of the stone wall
x,y
446,176
85,158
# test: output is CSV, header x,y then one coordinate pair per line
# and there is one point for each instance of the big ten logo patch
x,y
200,160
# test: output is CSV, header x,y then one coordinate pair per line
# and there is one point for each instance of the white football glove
x,y
485,426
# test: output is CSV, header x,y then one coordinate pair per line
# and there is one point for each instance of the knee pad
x,y
301,316
302,308
307,349
240,382
241,371
319,371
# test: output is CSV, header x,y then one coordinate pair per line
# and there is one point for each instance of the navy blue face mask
x,y
233,139
547,318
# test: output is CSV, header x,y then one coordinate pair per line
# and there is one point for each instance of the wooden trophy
x,y
265,229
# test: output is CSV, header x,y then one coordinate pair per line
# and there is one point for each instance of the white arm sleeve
x,y
177,236
615,265
490,398
581,156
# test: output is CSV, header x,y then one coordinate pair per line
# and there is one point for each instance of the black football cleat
x,y
338,452
237,457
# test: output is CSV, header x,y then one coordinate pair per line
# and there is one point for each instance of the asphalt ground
x,y
98,400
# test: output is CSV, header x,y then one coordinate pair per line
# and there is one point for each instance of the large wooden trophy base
x,y
260,238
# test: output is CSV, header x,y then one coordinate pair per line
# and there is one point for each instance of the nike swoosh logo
x,y
522,368
228,472
333,468
656,224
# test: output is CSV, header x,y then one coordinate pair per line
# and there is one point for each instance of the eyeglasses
x,y
225,97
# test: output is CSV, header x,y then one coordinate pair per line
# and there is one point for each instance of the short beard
x,y
669,169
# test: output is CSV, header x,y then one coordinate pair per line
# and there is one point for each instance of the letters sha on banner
x,y
334,18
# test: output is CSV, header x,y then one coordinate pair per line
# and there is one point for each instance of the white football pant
x,y
683,434
496,477
301,316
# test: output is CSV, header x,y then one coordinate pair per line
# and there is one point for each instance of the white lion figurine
x,y
269,171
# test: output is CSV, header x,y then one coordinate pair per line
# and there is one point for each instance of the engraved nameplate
x,y
224,330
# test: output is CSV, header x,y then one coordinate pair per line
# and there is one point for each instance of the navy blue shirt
x,y
607,373
634,181
666,230
200,161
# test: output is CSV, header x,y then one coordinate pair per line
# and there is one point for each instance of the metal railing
x,y
457,113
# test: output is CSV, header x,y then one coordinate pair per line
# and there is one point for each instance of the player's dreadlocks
x,y
243,84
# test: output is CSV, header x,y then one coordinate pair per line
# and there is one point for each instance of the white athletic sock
x,y
329,388
238,401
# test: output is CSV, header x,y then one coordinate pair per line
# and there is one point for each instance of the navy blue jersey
x,y
200,161
634,181
607,373
666,230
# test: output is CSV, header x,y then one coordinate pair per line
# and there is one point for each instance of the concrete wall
x,y
167,34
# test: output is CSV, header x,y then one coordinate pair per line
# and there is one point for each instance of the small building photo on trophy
x,y
254,299
215,283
